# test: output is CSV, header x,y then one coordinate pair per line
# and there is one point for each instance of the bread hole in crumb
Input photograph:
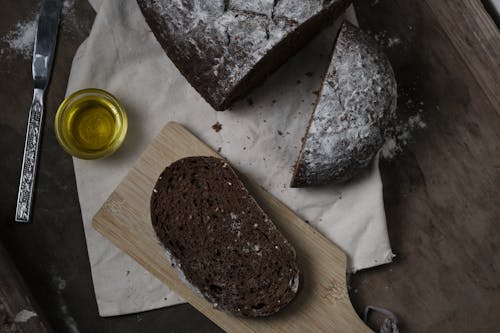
x,y
258,306
181,247
215,289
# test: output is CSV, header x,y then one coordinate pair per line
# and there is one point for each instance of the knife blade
x,y
43,56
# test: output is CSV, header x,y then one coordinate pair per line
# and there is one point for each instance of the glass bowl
x,y
90,124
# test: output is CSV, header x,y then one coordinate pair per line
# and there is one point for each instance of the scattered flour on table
x,y
20,38
409,115
385,40
398,136
24,315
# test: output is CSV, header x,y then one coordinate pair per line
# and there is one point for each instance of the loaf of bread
x,y
220,241
226,47
355,105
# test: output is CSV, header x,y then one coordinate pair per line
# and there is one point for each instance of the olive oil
x,y
90,124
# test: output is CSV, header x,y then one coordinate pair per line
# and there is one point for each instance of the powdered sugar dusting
x,y
235,224
398,136
176,265
68,7
21,37
356,102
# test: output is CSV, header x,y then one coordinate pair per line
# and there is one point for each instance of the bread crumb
x,y
24,315
217,127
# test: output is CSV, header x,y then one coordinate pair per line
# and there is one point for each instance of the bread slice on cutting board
x,y
355,105
220,241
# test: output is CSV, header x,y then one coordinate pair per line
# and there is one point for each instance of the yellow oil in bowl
x,y
91,124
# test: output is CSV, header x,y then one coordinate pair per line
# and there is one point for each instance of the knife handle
x,y
30,158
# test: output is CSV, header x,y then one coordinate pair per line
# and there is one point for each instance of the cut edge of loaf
x,y
295,182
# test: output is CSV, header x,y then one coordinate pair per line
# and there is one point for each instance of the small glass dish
x,y
90,124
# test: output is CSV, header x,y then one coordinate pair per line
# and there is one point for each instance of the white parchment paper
x,y
260,136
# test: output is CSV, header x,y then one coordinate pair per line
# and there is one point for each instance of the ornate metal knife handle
x,y
30,158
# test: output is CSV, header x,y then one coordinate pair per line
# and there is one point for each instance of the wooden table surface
x,y
441,194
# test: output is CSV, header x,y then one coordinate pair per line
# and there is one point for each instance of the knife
x,y
43,55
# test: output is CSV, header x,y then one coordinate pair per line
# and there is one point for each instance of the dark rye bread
x,y
226,47
355,105
220,241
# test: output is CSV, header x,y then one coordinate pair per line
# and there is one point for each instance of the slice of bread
x,y
220,241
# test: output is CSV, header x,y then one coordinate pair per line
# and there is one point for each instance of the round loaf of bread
x,y
356,103
220,241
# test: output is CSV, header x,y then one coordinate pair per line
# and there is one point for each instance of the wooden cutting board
x,y
322,303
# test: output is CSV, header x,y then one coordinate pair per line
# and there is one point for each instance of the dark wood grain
x,y
476,38
441,195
